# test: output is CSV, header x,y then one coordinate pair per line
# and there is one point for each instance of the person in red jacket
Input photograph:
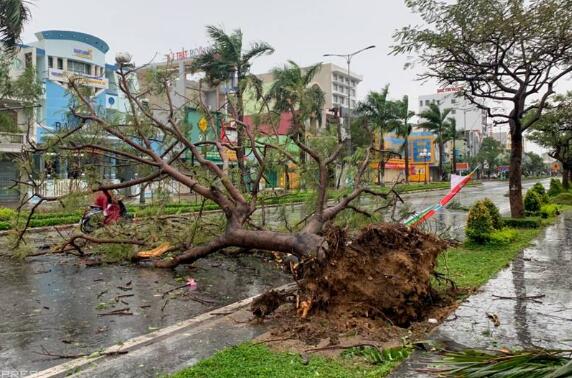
x,y
112,209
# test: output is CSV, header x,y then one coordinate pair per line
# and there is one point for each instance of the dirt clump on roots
x,y
383,272
372,287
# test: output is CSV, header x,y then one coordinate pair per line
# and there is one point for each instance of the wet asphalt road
x,y
55,303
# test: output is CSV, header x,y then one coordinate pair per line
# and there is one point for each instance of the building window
x,y
427,102
421,103
353,92
79,67
453,111
453,101
50,62
60,64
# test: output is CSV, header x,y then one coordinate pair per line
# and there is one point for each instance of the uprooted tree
x,y
156,142
507,55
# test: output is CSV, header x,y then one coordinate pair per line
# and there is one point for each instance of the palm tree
x,y
293,92
403,128
13,16
378,112
436,122
226,60
451,135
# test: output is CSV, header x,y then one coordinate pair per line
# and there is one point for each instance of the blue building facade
x,y
59,55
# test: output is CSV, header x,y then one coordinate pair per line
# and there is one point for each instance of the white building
x,y
469,118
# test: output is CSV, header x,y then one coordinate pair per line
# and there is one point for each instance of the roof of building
x,y
283,127
91,40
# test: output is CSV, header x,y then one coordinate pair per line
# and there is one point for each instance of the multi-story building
x,y
470,119
339,87
56,56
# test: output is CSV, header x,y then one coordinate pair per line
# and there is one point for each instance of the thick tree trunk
x,y
286,177
515,175
406,153
299,244
566,178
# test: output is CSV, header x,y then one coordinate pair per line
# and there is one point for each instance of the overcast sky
x,y
300,30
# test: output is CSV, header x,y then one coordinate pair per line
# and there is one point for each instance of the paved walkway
x,y
544,269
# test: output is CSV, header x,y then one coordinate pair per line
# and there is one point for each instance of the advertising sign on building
x,y
449,89
90,81
83,54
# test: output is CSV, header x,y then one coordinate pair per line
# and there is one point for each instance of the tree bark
x,y
441,156
566,177
515,175
381,167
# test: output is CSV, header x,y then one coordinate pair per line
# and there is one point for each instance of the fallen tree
x,y
158,142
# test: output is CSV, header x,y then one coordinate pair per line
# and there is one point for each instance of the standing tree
x,y
554,132
293,92
504,54
226,61
489,154
403,127
533,165
435,120
378,112
13,16
452,135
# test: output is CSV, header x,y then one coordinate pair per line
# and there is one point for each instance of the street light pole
x,y
348,58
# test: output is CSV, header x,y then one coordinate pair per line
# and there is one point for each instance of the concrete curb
x,y
74,366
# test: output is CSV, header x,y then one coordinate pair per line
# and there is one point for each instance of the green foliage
x,y
549,211
7,214
532,202
528,222
479,223
13,15
539,188
537,363
555,187
533,165
494,213
251,360
505,236
472,265
563,199
113,253
376,356
490,154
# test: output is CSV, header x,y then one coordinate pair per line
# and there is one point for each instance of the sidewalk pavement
x,y
531,298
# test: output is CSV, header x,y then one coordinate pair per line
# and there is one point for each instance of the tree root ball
x,y
385,271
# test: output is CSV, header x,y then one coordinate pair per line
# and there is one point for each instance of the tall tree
x,y
533,164
554,132
403,127
490,154
13,16
293,92
378,111
503,53
435,120
226,60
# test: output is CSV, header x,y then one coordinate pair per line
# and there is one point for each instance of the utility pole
x,y
348,58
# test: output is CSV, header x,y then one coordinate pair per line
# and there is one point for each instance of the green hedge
x,y
528,222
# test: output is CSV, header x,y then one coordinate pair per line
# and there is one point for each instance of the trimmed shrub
x,y
563,199
494,213
548,211
479,223
532,202
7,214
555,187
539,188
505,236
529,222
